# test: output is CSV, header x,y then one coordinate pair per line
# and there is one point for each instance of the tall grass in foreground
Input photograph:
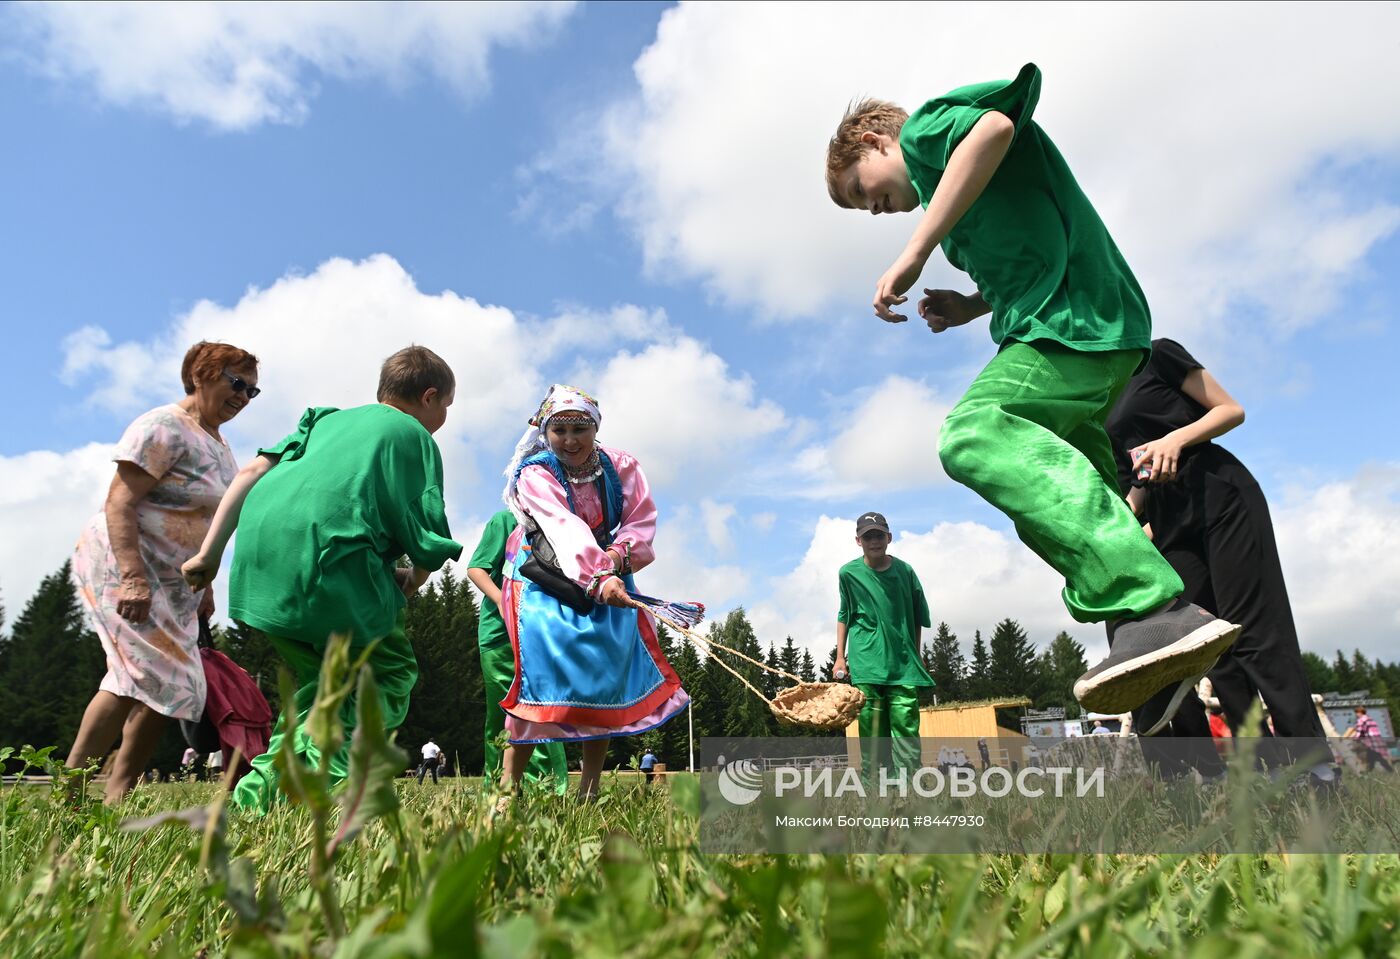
x,y
435,871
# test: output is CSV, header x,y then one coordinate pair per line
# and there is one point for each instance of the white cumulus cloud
x,y
1337,542
889,442
235,65
1217,143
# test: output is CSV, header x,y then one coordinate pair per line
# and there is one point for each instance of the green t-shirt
x,y
1032,242
320,534
883,611
490,555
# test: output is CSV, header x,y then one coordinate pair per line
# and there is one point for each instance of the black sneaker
x,y
1176,646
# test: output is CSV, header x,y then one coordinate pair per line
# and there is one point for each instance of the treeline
x,y
51,663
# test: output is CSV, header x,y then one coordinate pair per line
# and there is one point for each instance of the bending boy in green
x,y
498,659
322,518
878,638
1072,325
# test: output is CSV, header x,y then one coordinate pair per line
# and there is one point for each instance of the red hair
x,y
205,361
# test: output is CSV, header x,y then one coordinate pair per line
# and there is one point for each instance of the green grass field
x,y
383,868
624,878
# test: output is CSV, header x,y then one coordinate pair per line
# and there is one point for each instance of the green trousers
x,y
889,718
1028,437
396,672
548,762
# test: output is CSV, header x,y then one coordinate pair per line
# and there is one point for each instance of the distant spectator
x,y
188,767
1370,748
431,754
649,765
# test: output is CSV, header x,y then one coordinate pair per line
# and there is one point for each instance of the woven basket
x,y
818,705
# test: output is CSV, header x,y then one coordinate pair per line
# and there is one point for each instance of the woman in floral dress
x,y
172,468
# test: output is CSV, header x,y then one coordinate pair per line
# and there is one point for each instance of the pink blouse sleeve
x,y
638,510
541,496
580,557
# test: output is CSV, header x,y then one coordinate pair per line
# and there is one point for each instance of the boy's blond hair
x,y
410,372
845,149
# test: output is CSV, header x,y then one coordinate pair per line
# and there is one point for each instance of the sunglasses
x,y
873,536
240,385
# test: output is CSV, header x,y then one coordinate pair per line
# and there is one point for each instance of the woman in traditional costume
x,y
588,665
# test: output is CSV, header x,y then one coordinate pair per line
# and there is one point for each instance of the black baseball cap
x,y
870,521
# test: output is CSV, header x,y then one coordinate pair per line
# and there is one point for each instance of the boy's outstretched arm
x,y
200,570
970,169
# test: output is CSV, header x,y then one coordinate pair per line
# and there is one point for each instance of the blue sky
x,y
632,196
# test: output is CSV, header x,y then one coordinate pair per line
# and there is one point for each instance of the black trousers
x,y
1214,529
428,766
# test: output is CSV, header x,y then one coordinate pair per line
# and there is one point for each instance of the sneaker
x,y
1177,645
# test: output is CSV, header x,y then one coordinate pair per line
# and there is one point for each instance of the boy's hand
x,y
199,571
839,671
410,579
894,284
942,309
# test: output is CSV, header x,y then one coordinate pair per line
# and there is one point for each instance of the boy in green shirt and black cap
x,y
1072,325
878,640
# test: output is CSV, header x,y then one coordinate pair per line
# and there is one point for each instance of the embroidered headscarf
x,y
560,399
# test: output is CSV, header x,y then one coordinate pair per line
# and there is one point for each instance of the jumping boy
x,y
484,570
878,639
322,518
1072,326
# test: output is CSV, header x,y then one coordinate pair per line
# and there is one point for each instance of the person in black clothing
x,y
1208,517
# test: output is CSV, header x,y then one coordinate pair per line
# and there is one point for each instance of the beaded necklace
x,y
591,469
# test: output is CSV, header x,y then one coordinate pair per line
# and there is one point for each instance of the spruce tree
x,y
448,702
52,666
1362,675
790,658
978,680
1060,666
772,682
746,714
1321,678
1346,679
808,672
946,665
1012,669
688,666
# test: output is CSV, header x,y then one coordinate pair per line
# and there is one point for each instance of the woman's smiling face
x,y
571,438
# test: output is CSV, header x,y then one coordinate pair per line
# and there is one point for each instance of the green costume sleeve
x,y
490,550
293,445
843,614
424,534
934,131
921,615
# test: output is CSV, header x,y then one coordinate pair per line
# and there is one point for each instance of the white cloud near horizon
x,y
1335,542
320,339
236,65
1217,144
889,442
